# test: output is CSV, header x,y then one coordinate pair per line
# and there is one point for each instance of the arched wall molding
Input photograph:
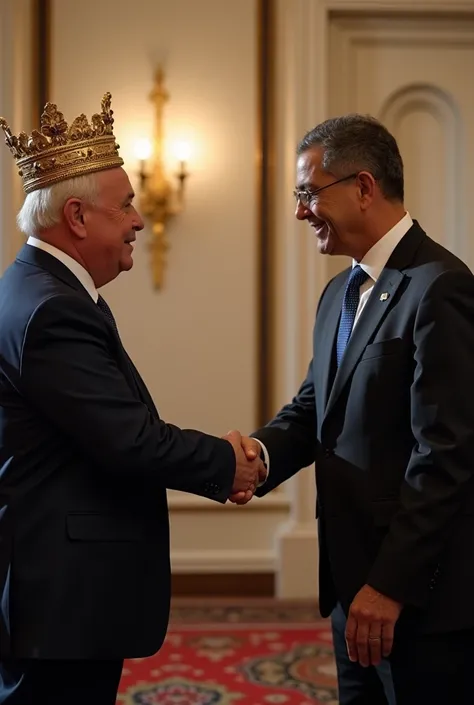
x,y
441,106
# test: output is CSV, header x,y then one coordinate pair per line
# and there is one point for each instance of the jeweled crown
x,y
59,151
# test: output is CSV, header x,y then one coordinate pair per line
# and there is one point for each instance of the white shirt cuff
x,y
267,461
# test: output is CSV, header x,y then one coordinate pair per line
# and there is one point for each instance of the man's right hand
x,y
247,472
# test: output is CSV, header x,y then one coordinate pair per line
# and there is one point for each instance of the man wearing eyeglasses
x,y
387,413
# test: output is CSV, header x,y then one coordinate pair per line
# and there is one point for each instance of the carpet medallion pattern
x,y
234,662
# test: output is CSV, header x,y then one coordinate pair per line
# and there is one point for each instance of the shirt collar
x,y
379,254
74,266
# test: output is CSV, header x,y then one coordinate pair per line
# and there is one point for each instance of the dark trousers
x,y
358,685
37,682
433,668
423,668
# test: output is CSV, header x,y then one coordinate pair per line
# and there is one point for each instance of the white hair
x,y
43,208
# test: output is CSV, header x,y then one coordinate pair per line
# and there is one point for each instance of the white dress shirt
x,y
76,268
377,257
373,263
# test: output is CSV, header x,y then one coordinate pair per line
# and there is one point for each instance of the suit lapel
x,y
40,258
326,347
142,388
131,372
379,303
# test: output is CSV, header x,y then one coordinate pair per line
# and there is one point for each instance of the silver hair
x,y
43,208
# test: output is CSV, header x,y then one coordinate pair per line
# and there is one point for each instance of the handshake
x,y
249,468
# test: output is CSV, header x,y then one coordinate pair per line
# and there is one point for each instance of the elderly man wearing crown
x,y
85,459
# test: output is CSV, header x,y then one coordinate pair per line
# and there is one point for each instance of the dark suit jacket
x,y
392,434
85,461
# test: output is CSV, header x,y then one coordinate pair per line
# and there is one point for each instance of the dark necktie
x,y
104,307
349,309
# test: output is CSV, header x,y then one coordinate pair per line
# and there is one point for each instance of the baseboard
x,y
223,584
215,561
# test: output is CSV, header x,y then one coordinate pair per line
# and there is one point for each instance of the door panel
x,y
415,74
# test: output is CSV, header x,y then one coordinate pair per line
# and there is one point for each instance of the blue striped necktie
x,y
349,309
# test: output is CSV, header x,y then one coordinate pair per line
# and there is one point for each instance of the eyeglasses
x,y
306,197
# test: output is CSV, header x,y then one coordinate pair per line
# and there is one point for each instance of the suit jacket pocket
x,y
384,347
81,526
383,510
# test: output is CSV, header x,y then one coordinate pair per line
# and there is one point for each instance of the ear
x,y
366,189
74,216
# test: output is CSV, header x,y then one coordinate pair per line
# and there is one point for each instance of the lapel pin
x,y
384,296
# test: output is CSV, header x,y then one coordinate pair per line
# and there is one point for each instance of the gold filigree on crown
x,y
59,151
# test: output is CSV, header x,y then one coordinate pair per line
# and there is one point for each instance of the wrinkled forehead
x,y
114,185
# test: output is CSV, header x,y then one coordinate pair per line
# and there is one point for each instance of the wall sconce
x,y
159,199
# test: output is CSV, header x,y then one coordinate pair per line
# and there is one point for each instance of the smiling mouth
x,y
319,227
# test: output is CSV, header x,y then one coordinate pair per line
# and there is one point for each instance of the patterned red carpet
x,y
251,653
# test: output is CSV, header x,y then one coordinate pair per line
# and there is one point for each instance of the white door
x,y
417,76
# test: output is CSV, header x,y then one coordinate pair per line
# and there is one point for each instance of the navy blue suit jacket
x,y
392,434
85,461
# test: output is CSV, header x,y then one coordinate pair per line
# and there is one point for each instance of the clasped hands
x,y
249,468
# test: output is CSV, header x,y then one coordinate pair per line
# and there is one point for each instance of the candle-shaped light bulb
x,y
183,151
143,150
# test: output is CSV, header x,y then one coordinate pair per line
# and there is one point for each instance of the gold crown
x,y
58,151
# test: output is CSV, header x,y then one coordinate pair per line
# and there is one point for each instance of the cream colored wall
x,y
16,108
194,342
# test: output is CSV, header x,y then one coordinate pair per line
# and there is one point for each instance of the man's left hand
x,y
370,626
